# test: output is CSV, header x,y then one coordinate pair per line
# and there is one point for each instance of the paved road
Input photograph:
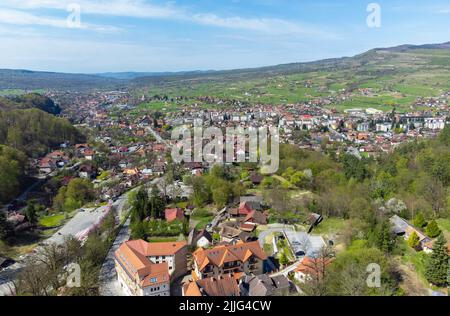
x,y
156,135
109,285
273,228
81,221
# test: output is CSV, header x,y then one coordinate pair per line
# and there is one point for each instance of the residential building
x,y
224,285
310,268
145,269
245,257
172,214
264,285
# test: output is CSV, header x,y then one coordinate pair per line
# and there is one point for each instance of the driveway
x,y
299,241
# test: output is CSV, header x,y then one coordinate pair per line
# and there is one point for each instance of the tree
x,y
140,205
95,249
283,258
382,236
156,204
413,240
5,226
432,229
347,274
12,167
316,282
354,167
221,193
58,201
202,192
31,213
139,230
436,270
419,220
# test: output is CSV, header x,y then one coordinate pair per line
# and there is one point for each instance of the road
x,y
157,136
81,221
108,276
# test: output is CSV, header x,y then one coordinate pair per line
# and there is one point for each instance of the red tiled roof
x,y
172,214
244,208
132,256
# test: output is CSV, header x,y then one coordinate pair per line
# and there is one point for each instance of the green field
x,y
51,221
394,78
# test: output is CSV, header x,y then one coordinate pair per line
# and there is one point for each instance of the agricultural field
x,y
395,79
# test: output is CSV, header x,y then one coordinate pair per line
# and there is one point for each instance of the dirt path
x,y
411,283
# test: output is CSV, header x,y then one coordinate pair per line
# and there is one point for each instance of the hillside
x,y
28,80
394,76
30,101
34,132
390,77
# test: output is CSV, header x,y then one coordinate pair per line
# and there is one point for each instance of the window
x,y
153,280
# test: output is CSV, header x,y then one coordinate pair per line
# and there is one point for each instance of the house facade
x,y
145,269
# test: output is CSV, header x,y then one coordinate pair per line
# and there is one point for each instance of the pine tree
x,y
419,220
437,267
432,229
156,204
413,240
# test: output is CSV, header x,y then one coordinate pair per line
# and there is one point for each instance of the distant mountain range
x,y
28,80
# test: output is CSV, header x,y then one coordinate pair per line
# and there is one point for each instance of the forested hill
x,y
30,101
27,124
35,132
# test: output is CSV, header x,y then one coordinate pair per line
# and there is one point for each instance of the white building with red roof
x,y
146,269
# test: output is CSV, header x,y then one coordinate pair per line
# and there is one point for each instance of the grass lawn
x,y
444,225
330,225
52,220
202,218
417,259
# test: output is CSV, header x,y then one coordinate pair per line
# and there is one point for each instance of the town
x,y
153,227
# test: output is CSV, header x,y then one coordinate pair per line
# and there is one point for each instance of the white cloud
x,y
145,10
129,8
17,17
269,26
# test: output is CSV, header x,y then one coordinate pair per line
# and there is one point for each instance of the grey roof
x,y
263,285
399,224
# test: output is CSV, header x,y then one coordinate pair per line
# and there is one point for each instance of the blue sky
x,y
157,35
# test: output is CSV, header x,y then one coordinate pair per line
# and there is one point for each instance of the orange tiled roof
x,y
220,255
132,256
191,289
225,285
312,265
156,249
